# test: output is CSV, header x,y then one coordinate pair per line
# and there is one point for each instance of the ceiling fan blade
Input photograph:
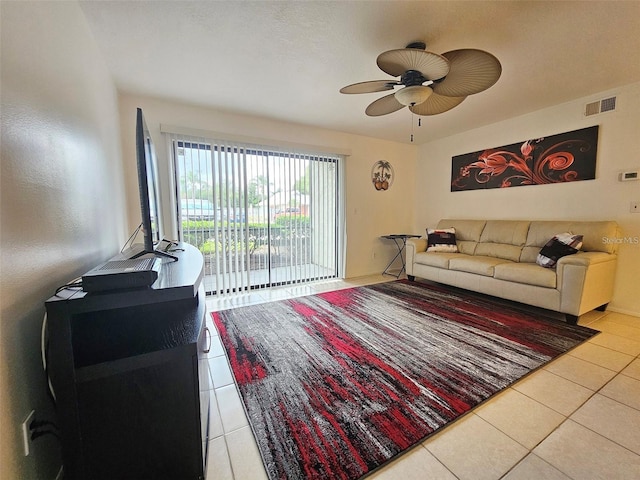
x,y
471,71
396,62
383,106
370,87
436,104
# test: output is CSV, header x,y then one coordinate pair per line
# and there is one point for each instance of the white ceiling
x,y
286,60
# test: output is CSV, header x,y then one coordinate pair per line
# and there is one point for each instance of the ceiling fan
x,y
431,83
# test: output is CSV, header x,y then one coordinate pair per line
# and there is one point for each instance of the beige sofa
x,y
498,257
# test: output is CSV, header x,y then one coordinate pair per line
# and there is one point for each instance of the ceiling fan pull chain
x,y
412,117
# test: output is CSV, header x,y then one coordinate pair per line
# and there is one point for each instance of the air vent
x,y
608,104
601,106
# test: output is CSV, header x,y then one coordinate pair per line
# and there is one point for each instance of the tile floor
x,y
576,418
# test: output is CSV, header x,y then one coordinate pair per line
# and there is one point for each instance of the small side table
x,y
400,240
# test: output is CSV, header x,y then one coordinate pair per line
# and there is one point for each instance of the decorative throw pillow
x,y
559,246
441,240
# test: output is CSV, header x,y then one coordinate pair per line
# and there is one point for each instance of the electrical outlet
x,y
26,432
635,207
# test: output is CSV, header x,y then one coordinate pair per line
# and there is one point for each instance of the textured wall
x,y
62,199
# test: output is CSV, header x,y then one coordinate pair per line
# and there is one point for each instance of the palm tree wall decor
x,y
382,175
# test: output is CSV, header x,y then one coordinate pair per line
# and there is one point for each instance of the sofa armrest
x,y
585,281
586,259
414,246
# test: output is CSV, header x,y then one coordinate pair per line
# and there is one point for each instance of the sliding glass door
x,y
261,216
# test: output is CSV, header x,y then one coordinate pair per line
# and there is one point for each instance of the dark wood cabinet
x,y
130,376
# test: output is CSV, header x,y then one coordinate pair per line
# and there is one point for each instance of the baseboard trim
x,y
622,310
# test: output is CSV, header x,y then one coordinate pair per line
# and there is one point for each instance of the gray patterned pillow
x,y
559,246
441,240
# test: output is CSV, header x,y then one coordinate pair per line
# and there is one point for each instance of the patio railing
x,y
242,255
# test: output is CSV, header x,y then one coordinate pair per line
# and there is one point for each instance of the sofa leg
x,y
602,308
571,319
412,278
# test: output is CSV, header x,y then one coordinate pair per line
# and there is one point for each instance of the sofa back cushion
x,y
597,236
503,239
467,233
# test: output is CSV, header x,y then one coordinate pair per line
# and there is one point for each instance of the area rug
x,y
336,384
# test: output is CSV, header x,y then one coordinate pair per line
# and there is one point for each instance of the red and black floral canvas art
x,y
566,157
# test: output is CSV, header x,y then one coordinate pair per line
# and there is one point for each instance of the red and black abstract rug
x,y
336,384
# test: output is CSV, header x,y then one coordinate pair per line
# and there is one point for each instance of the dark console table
x,y
130,376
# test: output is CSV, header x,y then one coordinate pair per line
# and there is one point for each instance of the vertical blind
x,y
261,216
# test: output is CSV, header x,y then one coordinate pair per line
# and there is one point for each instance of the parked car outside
x,y
287,212
198,210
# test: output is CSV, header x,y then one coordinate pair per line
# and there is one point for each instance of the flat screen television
x,y
150,206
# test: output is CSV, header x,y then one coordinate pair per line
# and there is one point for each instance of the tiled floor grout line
x,y
563,378
598,433
542,460
422,445
530,450
566,418
594,393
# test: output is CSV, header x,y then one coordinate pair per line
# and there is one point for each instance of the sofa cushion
x,y
503,239
441,240
511,232
467,233
559,246
499,250
597,236
526,273
467,247
539,234
475,264
465,229
436,259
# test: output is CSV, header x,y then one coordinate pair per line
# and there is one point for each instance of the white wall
x,y
62,199
604,198
369,213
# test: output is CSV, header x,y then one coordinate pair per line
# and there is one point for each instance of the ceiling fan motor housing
x,y
412,77
418,45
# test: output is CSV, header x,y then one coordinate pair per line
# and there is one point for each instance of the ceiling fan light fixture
x,y
413,95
